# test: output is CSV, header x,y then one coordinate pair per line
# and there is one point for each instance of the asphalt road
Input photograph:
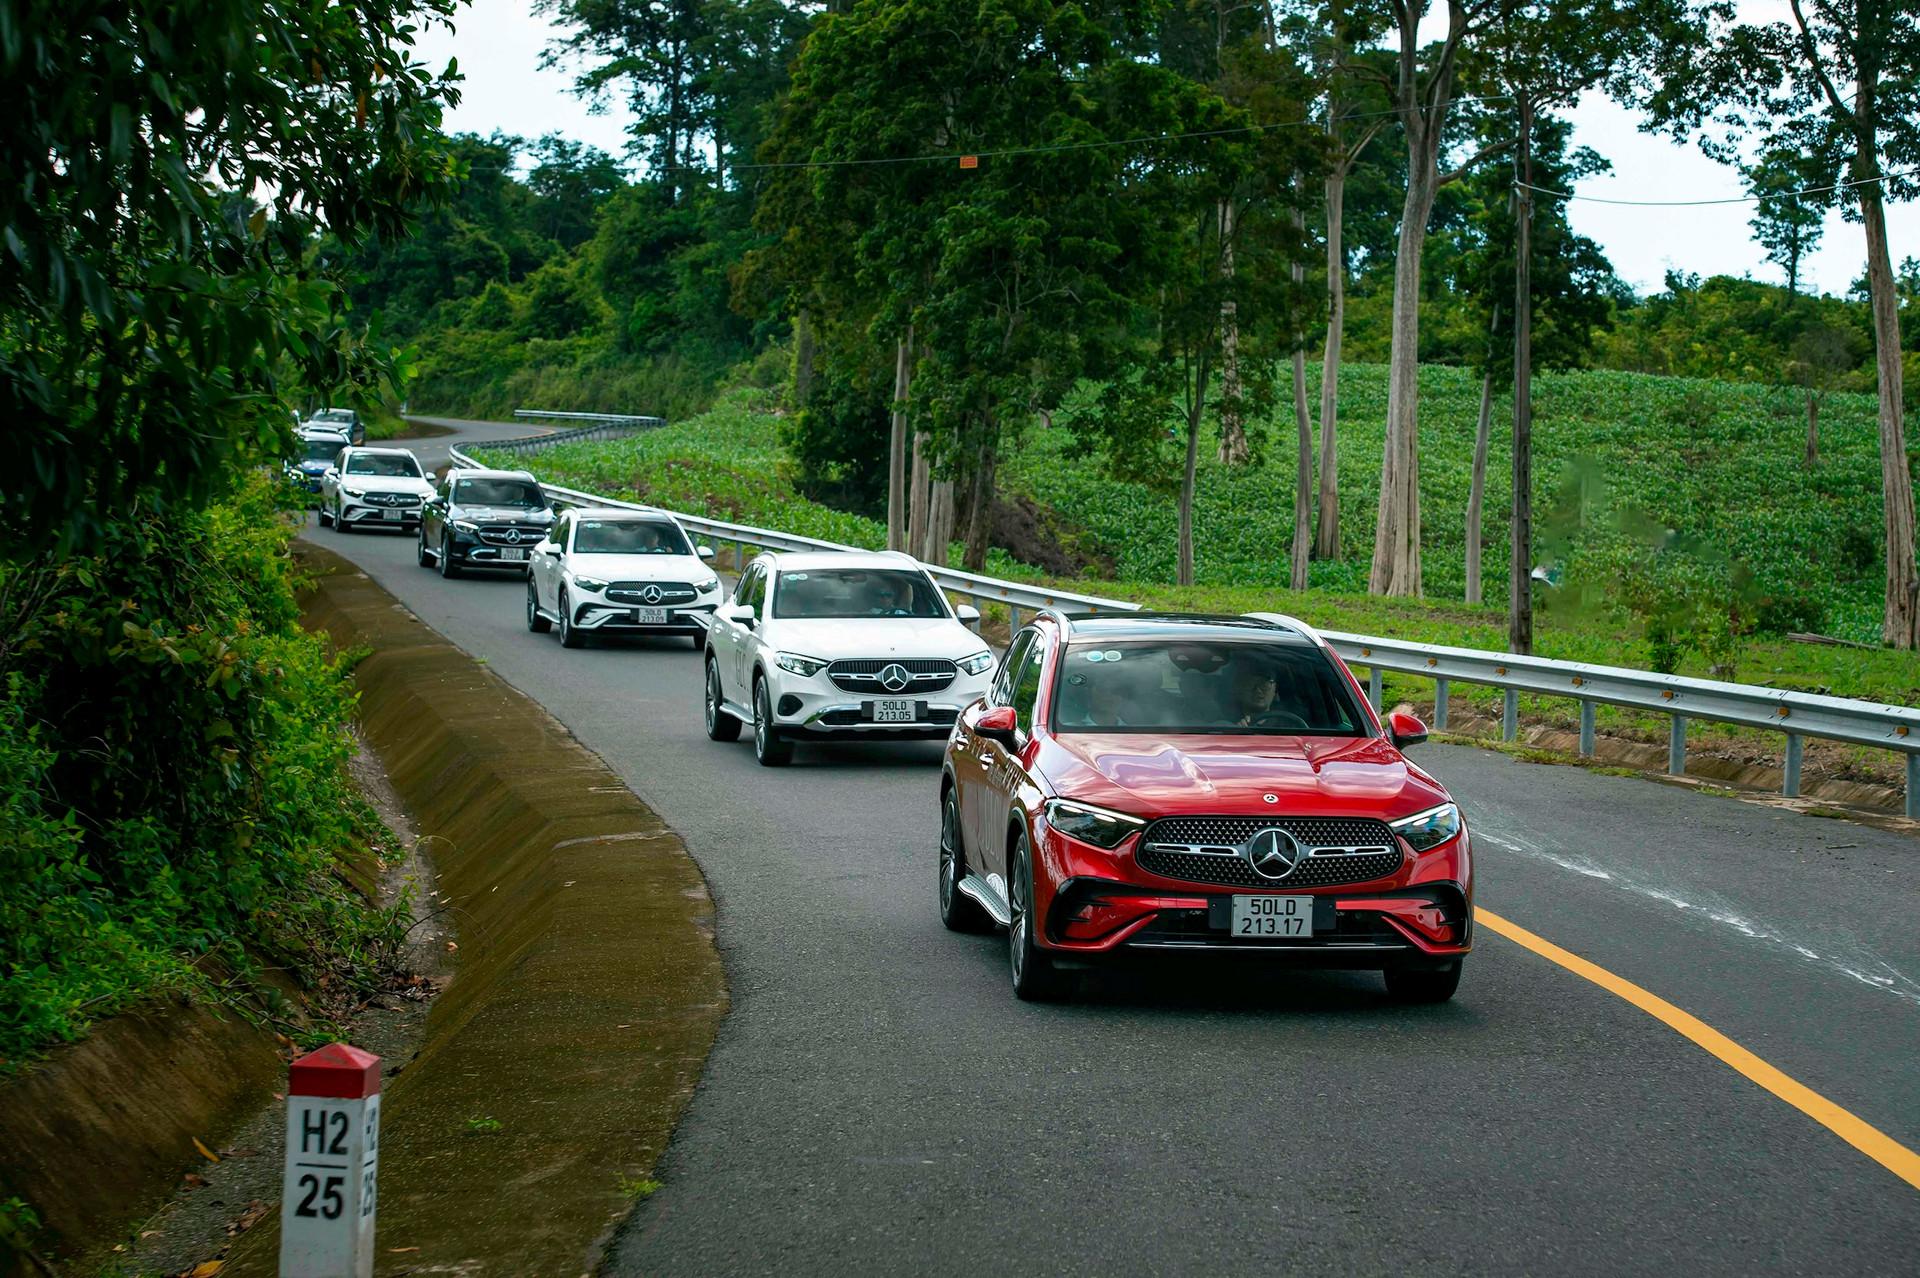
x,y
878,1102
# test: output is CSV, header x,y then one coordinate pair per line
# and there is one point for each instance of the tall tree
x,y
1833,68
1791,195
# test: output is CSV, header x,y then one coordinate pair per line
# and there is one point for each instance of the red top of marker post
x,y
337,1071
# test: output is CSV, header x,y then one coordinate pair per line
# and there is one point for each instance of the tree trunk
x,y
1233,433
1900,626
980,507
1477,489
1196,410
939,523
1812,457
802,360
1520,601
1326,540
918,498
897,496
1396,532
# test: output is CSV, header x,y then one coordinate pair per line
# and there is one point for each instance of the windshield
x,y
390,465
498,492
1229,686
322,450
629,537
856,592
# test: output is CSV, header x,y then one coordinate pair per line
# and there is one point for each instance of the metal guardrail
x,y
1798,715
598,426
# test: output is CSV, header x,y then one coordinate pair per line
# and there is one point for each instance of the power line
x,y
954,157
1740,199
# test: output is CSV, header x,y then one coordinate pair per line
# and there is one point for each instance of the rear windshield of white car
x,y
629,537
390,465
498,492
1221,686
856,592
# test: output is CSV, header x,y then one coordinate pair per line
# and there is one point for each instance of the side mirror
x,y
1405,730
705,552
969,616
997,724
742,613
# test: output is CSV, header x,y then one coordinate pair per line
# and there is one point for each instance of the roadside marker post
x,y
333,1145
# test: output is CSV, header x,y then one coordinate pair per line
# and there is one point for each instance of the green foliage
x,y
1733,329
173,785
153,318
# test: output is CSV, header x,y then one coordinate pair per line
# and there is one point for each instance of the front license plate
x,y
895,711
513,556
1272,916
392,514
650,616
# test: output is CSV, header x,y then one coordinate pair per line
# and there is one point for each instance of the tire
x,y
1423,984
340,525
1035,978
448,568
769,747
721,726
420,554
321,513
960,912
535,622
570,636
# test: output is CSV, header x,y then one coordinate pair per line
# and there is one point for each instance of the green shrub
x,y
174,799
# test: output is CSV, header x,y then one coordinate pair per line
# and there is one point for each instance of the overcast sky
x,y
499,43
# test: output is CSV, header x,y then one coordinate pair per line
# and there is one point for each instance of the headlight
x,y
1093,825
1429,829
465,526
590,583
805,667
354,492
977,663
711,583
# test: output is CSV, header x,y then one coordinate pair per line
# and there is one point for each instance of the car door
x,y
724,638
983,761
750,636
549,561
433,514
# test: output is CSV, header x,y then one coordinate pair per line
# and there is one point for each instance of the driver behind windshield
x,y
1253,688
1204,687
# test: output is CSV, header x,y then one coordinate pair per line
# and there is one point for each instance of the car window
x,y
1207,685
385,465
749,591
856,592
1026,687
1002,690
561,527
498,492
629,537
322,450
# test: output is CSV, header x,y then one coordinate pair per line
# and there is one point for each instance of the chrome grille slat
x,y
862,674
671,592
1208,849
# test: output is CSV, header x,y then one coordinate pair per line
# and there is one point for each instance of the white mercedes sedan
x,y
619,572
821,644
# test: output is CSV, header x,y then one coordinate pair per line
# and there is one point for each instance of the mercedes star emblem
x,y
1271,798
512,536
1273,853
895,677
650,593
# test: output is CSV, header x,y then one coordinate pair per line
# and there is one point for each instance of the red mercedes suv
x,y
1155,782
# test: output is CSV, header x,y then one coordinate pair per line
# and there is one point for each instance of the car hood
x,y
686,568
833,638
1152,775
387,484
311,467
501,515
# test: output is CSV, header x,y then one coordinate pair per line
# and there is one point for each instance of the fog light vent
x,y
789,705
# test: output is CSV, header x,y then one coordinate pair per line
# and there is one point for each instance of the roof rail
x,y
1060,618
1282,619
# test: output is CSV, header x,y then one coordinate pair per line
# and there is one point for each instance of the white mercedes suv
x,y
828,643
374,488
619,571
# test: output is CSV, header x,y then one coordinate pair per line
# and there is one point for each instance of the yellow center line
x,y
1845,1124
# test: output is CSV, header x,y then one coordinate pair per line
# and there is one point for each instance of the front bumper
x,y
360,514
814,706
1100,904
470,551
602,617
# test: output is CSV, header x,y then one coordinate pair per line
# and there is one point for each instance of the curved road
x,y
879,1103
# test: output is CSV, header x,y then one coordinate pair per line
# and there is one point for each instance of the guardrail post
x,y
1510,716
1790,784
1913,786
1440,704
1586,729
1373,686
1013,618
1677,747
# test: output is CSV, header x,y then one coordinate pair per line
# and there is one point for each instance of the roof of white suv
x,y
808,560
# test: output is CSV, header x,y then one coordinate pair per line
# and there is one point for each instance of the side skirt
x,y
990,901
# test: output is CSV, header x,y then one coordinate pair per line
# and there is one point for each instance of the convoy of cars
x,y
1112,787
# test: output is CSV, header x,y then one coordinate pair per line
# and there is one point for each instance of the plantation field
x,y
1719,460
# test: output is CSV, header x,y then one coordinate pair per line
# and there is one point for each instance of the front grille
x,y
512,534
1340,850
667,593
862,674
393,499
1234,871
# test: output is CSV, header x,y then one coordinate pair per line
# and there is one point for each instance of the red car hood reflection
x,y
1151,775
